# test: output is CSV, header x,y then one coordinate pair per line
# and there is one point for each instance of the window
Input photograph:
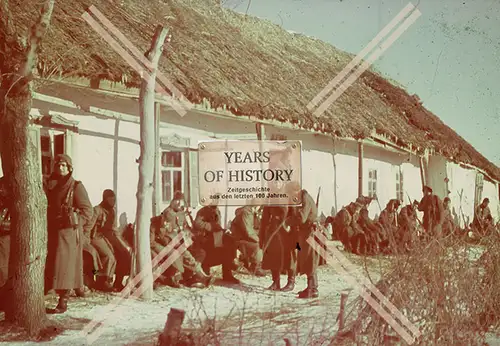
x,y
399,185
372,183
52,143
172,174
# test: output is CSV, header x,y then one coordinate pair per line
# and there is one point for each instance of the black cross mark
x,y
297,246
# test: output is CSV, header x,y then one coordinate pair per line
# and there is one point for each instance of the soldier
x,y
278,246
388,220
408,225
161,234
244,233
175,219
341,225
449,226
483,221
4,240
69,209
114,253
216,242
372,230
304,220
357,238
432,208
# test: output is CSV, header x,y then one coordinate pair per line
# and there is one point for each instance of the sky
x,y
450,56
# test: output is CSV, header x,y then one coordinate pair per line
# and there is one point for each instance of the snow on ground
x,y
246,315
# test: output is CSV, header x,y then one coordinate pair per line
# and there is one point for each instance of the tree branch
x,y
38,30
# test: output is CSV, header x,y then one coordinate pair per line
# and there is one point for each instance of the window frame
x,y
372,181
51,135
182,169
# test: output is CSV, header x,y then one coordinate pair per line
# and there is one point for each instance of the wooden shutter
x,y
193,178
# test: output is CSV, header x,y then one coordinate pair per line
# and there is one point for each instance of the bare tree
x,y
21,166
146,164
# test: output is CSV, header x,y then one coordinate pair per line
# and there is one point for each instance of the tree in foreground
x,y
146,165
21,166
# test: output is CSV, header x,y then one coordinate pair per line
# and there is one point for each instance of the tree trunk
x,y
146,164
21,166
28,247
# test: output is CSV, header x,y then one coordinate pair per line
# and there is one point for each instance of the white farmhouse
x,y
248,79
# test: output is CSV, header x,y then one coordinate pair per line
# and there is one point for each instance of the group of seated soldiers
x,y
261,235
397,230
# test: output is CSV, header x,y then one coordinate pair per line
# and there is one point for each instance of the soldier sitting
x,y
114,252
388,220
482,223
174,217
216,243
373,232
408,225
244,233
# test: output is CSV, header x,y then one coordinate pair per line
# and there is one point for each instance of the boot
x,y
62,305
276,285
312,287
80,292
256,269
104,283
228,277
174,281
290,284
118,284
202,277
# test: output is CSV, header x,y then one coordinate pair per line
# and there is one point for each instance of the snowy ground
x,y
247,315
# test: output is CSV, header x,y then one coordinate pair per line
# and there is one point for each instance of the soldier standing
x,y
303,220
69,209
432,207
278,246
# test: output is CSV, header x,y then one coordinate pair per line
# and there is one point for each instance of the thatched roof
x,y
251,66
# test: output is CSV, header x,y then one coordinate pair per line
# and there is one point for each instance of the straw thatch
x,y
251,66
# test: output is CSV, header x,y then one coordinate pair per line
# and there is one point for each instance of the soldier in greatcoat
x,y
174,217
69,209
304,221
215,242
278,246
432,207
244,232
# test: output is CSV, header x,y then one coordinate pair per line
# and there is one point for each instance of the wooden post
x,y
343,299
145,193
173,327
423,169
157,178
360,168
